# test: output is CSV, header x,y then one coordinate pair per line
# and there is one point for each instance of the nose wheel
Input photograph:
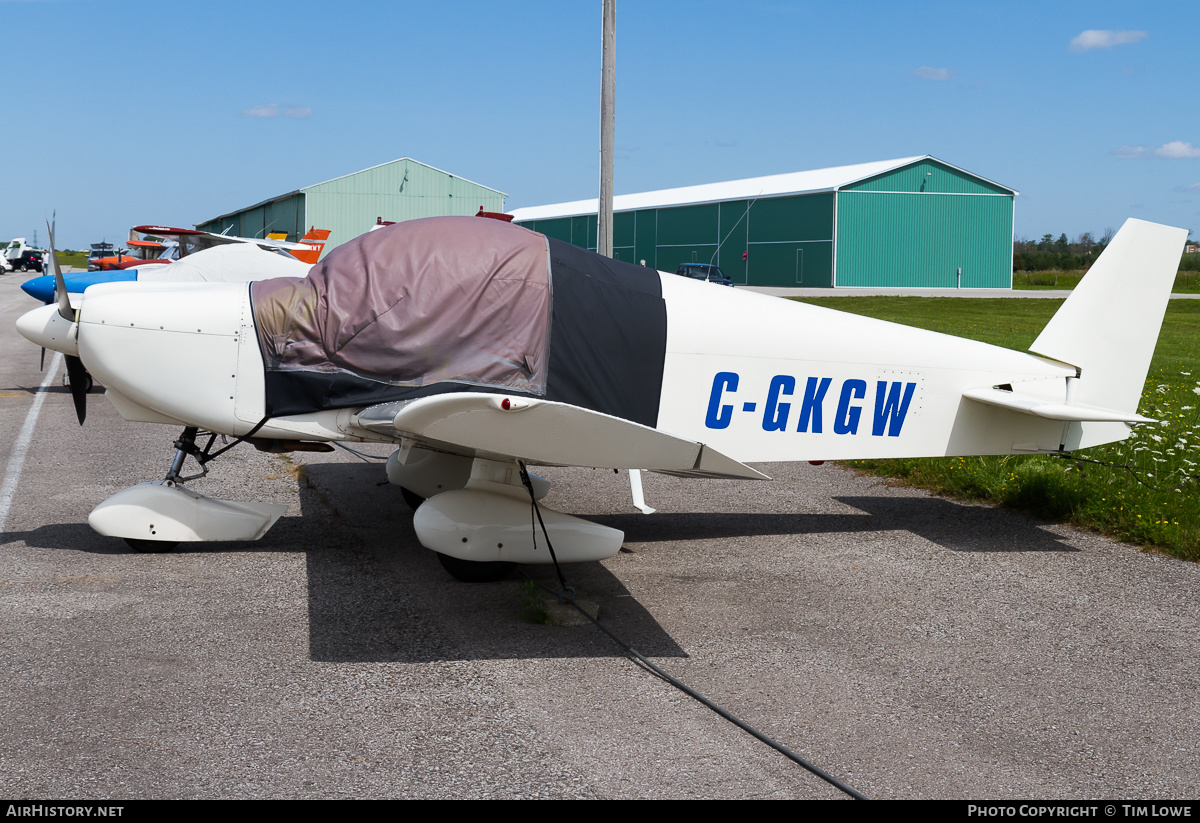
x,y
88,382
473,571
150,546
154,518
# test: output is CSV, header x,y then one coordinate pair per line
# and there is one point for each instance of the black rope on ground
x,y
683,687
538,511
642,661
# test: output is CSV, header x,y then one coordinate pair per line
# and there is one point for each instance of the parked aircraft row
x,y
180,244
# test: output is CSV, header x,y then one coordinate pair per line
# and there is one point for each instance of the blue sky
x,y
123,112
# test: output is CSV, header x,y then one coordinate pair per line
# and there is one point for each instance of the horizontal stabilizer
x,y
1052,410
549,433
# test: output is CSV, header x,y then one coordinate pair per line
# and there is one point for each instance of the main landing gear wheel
x,y
150,546
473,571
413,499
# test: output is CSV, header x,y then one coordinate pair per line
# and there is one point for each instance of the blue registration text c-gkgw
x,y
891,404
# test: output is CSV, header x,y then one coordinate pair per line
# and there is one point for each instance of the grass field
x,y
78,259
1186,282
1151,498
1046,279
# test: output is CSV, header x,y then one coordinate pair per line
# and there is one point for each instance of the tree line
x,y
1050,254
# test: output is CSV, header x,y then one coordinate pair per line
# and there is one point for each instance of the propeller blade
x,y
78,377
64,303
43,366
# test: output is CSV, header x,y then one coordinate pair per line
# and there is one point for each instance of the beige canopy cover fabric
x,y
444,299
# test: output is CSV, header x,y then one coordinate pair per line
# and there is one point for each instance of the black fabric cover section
x,y
608,334
302,392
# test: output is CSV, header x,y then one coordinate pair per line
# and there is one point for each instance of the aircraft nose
x,y
172,349
40,288
45,327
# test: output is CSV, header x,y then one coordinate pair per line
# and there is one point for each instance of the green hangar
x,y
349,205
914,222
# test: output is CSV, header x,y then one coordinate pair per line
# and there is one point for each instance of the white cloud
x,y
1105,39
269,110
275,110
1176,149
930,73
1129,151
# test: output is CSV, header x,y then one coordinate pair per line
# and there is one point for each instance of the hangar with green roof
x,y
912,222
349,205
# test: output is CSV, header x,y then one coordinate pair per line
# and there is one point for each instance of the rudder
x,y
1109,325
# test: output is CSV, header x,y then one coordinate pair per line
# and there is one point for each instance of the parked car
x,y
13,251
28,260
704,271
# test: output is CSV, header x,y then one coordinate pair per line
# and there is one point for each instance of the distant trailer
x,y
16,248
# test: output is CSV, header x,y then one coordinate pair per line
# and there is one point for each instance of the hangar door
x,y
923,240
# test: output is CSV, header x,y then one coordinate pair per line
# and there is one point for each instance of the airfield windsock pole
x,y
608,81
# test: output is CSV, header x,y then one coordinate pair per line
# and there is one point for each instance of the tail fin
x,y
1109,325
315,240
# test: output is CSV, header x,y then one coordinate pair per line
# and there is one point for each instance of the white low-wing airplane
x,y
479,347
199,249
188,241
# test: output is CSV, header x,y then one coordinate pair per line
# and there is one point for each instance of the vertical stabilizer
x,y
1109,325
312,245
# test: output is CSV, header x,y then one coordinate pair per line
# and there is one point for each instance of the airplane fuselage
x,y
758,378
764,379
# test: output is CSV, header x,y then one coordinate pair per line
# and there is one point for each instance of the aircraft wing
x,y
546,433
307,249
189,240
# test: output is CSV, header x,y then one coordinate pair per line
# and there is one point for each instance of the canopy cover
x,y
230,263
444,303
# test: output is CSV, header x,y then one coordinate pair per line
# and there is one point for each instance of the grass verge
x,y
534,608
1186,282
1150,499
76,259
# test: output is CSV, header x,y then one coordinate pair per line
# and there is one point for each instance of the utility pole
x,y
608,82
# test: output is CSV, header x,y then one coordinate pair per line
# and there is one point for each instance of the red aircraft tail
x,y
315,242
